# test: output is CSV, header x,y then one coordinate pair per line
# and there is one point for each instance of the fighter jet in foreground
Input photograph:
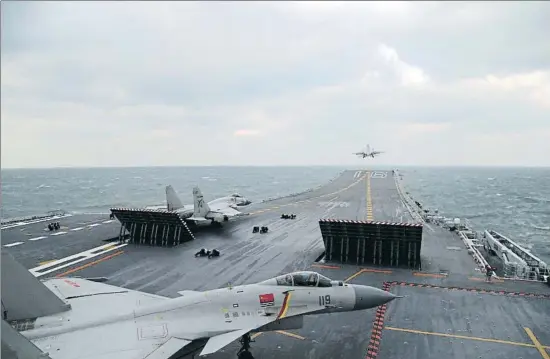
x,y
200,213
368,153
104,321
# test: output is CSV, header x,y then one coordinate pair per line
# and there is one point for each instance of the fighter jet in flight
x,y
368,153
81,318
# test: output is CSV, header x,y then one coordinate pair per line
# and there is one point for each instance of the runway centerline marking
x,y
369,198
537,344
488,340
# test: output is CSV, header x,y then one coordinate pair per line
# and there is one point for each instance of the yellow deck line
x,y
488,340
46,262
541,348
289,334
354,275
369,198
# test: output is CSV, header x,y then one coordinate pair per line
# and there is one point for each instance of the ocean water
x,y
513,201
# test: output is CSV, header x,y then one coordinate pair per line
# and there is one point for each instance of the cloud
x,y
104,84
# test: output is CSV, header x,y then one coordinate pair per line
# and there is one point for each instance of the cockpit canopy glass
x,y
237,195
304,279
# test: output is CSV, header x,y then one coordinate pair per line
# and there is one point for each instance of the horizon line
x,y
351,167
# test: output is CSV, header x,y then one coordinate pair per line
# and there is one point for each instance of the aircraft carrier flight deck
x,y
448,310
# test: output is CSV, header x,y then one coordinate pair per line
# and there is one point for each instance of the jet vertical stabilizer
x,y
23,295
172,200
201,208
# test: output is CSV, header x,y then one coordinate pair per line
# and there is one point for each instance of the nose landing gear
x,y
244,352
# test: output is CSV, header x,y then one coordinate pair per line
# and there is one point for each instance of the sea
x,y
512,201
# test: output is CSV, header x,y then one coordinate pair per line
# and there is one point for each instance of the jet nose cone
x,y
369,297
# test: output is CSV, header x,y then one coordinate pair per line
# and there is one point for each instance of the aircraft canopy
x,y
304,279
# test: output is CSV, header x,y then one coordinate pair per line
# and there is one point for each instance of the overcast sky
x,y
275,83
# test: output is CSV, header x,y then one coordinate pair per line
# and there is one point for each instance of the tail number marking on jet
x,y
267,300
324,300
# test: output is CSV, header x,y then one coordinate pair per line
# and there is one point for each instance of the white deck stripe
x,y
109,221
94,225
37,238
86,254
24,223
77,229
57,234
13,244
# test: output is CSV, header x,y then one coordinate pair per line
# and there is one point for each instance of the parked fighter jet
x,y
104,321
216,211
368,153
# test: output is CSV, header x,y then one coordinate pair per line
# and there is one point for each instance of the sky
x,y
276,83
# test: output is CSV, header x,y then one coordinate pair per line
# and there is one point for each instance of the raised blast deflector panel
x,y
153,227
374,243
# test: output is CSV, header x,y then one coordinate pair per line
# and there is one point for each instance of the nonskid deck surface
x,y
33,244
246,257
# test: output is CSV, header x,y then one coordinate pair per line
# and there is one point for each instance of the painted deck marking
x,y
108,221
90,264
77,229
94,225
37,238
13,244
537,344
79,257
353,276
289,334
46,262
369,199
58,233
488,340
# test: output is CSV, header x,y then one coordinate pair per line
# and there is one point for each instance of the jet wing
x,y
126,339
225,209
72,288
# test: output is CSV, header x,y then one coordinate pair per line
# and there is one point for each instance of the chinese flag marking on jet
x,y
267,299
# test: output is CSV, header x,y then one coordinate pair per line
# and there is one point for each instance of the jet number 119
x,y
324,299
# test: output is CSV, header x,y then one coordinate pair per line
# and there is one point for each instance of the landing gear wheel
x,y
244,352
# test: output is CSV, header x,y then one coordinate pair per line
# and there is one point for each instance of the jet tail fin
x,y
173,202
201,208
23,295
